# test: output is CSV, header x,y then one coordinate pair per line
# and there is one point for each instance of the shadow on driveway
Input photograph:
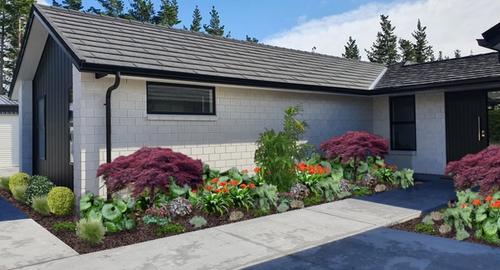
x,y
390,249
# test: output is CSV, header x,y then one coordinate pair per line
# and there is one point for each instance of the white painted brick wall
x,y
225,142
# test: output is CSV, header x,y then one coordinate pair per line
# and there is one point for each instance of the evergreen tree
x,y
142,10
440,56
214,27
407,50
251,39
112,7
423,51
56,4
168,13
351,50
93,10
384,49
196,23
457,53
72,4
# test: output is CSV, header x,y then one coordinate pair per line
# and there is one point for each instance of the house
x,y
9,135
92,87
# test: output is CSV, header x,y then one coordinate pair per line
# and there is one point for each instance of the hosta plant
x,y
266,196
404,178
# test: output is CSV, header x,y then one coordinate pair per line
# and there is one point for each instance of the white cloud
x,y
451,24
43,2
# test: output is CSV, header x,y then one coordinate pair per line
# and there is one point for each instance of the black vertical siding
x,y
53,80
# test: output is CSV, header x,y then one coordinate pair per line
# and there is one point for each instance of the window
x,y
180,99
402,115
41,129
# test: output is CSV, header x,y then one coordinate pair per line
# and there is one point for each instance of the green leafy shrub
x,y
40,205
277,151
38,186
198,222
64,226
157,216
61,201
385,175
361,191
4,182
425,228
404,178
260,212
313,200
18,179
169,229
211,202
90,230
19,193
266,197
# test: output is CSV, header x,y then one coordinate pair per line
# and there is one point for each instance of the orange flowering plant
x,y
474,212
311,174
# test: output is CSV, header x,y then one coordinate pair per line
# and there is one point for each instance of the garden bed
x,y
410,226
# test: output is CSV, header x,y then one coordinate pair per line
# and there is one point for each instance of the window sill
x,y
172,117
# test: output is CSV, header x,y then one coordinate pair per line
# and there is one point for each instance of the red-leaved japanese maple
x,y
477,170
151,169
355,146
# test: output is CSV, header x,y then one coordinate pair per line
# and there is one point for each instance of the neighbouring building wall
x,y
224,141
25,101
430,156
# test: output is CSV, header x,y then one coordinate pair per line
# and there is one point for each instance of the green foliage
x,y
72,4
198,222
90,230
142,10
283,207
19,193
494,125
38,186
196,23
423,51
40,205
4,183
359,191
277,151
18,180
384,49
171,228
112,8
425,228
168,13
260,212
428,220
404,178
407,50
241,198
64,226
116,215
351,50
214,27
313,200
61,201
155,220
385,175
266,196
211,202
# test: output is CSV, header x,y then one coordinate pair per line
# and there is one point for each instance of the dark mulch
x,y
141,233
409,226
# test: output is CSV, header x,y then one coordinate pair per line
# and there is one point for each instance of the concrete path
x,y
24,242
244,243
390,249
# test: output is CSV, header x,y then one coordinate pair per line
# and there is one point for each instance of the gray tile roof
x,y
103,40
481,66
5,101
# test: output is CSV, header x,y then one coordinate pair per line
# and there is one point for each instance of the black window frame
x,y
42,99
395,123
181,85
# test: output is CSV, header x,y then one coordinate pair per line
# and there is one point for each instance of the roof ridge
x,y
443,60
201,34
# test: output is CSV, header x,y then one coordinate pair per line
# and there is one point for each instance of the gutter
x,y
108,113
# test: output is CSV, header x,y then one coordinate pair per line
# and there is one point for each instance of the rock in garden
x,y
437,216
296,204
380,188
236,215
444,229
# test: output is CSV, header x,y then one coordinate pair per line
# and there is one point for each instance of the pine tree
x,y
457,53
351,50
423,51
251,39
440,56
112,7
142,10
56,4
196,23
407,50
214,27
384,49
72,4
168,13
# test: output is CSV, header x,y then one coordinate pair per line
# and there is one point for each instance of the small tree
x,y
196,23
141,10
407,50
457,53
351,50
214,27
112,7
477,170
168,13
423,51
251,39
384,49
151,170
355,146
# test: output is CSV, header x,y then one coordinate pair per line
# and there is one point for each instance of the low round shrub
x,y
18,179
40,205
61,201
38,186
90,230
19,193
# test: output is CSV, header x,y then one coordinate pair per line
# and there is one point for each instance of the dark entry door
x,y
466,123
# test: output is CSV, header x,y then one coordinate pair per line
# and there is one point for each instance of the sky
x,y
327,24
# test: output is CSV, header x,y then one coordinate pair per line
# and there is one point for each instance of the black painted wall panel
x,y
53,80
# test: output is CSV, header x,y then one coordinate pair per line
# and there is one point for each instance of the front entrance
x,y
466,123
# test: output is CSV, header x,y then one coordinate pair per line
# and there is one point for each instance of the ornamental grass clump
x,y
150,170
477,170
40,205
91,231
